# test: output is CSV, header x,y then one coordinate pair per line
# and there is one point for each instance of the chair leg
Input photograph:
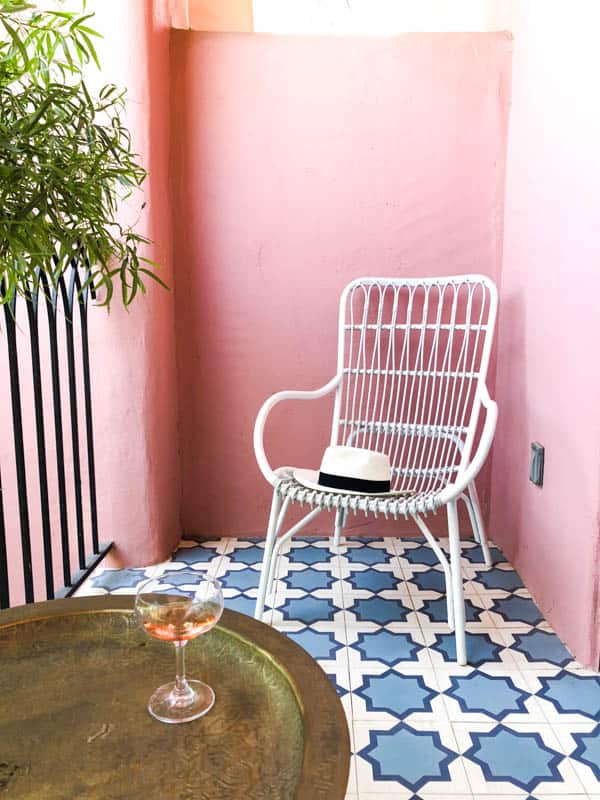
x,y
266,565
339,526
445,566
482,535
457,585
276,552
472,518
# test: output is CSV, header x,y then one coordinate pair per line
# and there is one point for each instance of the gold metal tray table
x,y
75,678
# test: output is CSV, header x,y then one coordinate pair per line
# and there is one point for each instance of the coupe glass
x,y
177,607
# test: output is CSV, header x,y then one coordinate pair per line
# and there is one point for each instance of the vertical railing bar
x,y
32,315
4,589
51,306
17,417
68,298
87,396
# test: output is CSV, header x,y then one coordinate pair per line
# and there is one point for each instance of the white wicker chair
x,y
413,356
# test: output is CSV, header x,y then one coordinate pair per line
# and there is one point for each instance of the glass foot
x,y
169,704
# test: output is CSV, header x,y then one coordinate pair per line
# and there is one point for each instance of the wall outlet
x,y
536,466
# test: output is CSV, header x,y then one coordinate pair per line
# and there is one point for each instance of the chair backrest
x,y
412,353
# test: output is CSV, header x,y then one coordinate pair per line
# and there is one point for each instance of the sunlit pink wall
x,y
135,386
300,163
548,381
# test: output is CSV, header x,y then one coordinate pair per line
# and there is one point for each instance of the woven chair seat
x,y
398,506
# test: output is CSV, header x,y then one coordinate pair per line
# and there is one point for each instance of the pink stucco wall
x,y
135,386
548,382
300,163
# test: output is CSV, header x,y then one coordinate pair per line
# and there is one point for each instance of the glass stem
x,y
181,685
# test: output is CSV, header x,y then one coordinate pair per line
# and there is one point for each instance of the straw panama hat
x,y
350,470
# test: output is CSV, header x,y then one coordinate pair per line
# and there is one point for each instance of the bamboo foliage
x,y
66,159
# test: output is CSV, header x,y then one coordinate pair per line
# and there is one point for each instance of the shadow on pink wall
x,y
298,164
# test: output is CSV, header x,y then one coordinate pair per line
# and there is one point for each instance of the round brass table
x,y
75,678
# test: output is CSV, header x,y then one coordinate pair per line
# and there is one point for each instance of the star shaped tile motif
x,y
367,555
410,757
311,554
421,555
519,758
573,694
379,609
495,696
374,580
308,609
248,555
538,645
518,609
241,579
480,648
184,577
397,694
194,555
588,750
475,555
437,611
308,579
505,579
430,581
320,645
112,579
386,647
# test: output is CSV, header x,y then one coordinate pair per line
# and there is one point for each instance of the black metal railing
x,y
64,536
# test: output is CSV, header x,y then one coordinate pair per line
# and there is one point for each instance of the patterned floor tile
x,y
581,743
321,645
421,555
374,581
357,558
484,649
490,694
192,554
251,555
242,579
496,578
495,696
509,759
310,553
118,581
473,555
522,759
308,579
419,758
515,609
536,649
432,612
380,610
307,609
431,580
394,694
572,694
385,646
241,603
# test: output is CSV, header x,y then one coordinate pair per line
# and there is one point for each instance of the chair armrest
x,y
259,425
453,490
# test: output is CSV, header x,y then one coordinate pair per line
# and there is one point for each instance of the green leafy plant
x,y
66,159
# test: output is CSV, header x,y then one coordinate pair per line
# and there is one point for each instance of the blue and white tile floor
x,y
523,720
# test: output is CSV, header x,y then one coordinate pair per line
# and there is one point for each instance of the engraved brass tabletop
x,y
75,678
